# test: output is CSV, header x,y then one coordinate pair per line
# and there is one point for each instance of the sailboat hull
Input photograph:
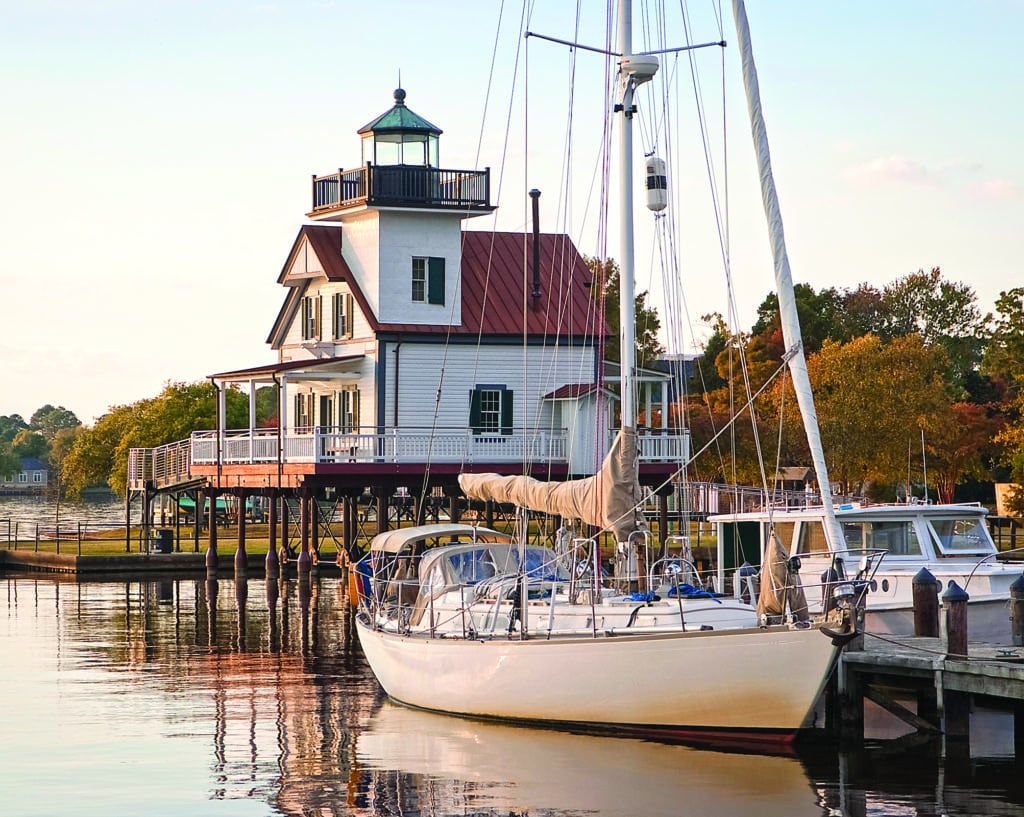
x,y
670,683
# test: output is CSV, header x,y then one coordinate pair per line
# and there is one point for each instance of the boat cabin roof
x,y
395,541
856,512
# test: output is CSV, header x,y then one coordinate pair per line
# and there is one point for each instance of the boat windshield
x,y
964,535
898,538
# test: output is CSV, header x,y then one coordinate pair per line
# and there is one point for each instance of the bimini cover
x,y
393,541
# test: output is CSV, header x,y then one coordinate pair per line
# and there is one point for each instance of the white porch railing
x,y
171,464
396,445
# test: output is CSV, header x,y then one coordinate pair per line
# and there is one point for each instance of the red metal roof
x,y
493,285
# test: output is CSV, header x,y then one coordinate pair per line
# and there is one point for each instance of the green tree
x,y
943,313
101,453
29,443
1003,359
10,463
60,448
10,425
606,274
48,420
819,312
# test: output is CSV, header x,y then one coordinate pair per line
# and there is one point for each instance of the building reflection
x,y
280,698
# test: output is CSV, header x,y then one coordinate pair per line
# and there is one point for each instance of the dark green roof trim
x,y
400,118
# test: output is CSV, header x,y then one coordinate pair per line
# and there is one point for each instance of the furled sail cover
x,y
609,499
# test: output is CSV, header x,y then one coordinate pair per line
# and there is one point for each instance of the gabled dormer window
x,y
342,306
428,280
311,309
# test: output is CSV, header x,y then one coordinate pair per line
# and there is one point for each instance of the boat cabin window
x,y
471,566
812,538
898,538
784,530
956,536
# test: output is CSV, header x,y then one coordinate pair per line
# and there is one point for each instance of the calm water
x,y
159,698
105,511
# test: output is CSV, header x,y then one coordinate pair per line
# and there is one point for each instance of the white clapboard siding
x,y
465,367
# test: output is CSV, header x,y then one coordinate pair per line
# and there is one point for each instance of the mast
x,y
783,277
627,329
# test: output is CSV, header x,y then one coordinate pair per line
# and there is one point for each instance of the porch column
x,y
273,563
241,557
252,421
305,562
211,551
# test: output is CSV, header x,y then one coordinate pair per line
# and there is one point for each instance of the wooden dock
x,y
944,685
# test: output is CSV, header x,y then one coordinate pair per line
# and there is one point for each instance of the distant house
x,y
33,476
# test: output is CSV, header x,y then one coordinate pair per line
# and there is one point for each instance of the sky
x,y
155,158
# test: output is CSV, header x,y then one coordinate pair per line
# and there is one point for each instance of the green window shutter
x,y
355,409
435,281
474,409
506,412
350,316
319,316
305,318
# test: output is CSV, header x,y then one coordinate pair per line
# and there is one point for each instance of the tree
x,y
60,448
942,313
10,463
958,449
648,323
101,453
10,425
1003,359
819,312
871,398
48,420
29,443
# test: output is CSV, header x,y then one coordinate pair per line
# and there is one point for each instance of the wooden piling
x,y
956,705
1017,611
926,604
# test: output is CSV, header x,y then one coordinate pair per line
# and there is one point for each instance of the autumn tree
x,y
960,449
872,398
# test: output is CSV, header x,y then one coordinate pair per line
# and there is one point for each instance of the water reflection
x,y
200,696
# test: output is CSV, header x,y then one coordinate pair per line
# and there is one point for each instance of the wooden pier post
x,y
211,550
1017,611
283,552
305,561
241,557
956,705
926,604
273,564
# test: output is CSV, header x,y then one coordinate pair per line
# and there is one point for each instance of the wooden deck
x,y
889,668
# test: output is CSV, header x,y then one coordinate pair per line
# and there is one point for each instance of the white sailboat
x,y
485,627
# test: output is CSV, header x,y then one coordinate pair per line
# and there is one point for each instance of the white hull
x,y
748,680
